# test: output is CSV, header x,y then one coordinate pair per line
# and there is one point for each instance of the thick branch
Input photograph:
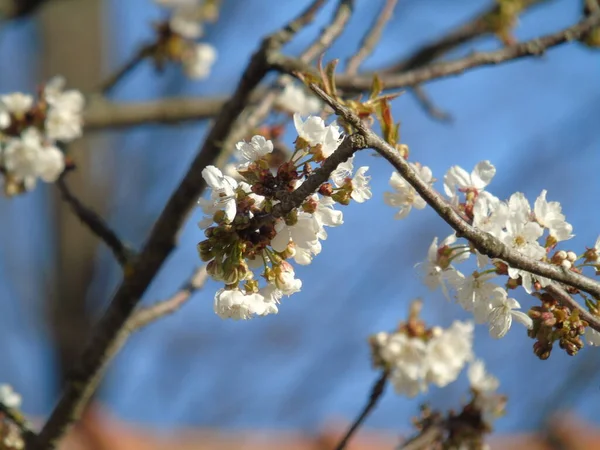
x,y
376,393
95,223
484,242
158,247
372,37
102,114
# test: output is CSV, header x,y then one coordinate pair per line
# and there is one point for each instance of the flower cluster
x,y
31,130
10,434
468,427
243,234
178,37
416,356
534,232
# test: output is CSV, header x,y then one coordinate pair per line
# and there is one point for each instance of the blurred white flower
x,y
8,397
296,99
405,196
198,60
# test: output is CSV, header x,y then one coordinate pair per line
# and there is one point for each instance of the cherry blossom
x,y
361,192
198,60
313,132
549,215
458,180
503,311
253,150
405,196
223,190
295,99
8,397
237,305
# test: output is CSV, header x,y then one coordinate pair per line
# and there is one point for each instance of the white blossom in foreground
x,y
237,305
549,215
457,180
16,104
503,311
405,197
64,118
438,269
476,294
251,151
223,190
294,98
361,191
198,60
8,397
313,132
448,351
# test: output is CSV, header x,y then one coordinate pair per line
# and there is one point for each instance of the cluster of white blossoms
x,y
10,434
243,236
30,131
180,34
417,359
532,231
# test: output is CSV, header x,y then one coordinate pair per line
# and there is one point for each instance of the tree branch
x,y
372,37
534,47
484,242
159,245
107,85
477,27
95,223
565,299
376,393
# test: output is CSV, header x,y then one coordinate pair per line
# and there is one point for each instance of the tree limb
x,y
372,37
159,245
484,242
95,223
376,393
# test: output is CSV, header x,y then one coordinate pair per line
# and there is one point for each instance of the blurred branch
x,y
159,245
477,27
484,242
95,223
16,9
376,393
533,47
428,105
101,113
107,85
18,419
372,37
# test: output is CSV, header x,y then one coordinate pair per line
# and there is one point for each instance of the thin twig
x,y
372,37
484,242
564,298
107,85
477,27
95,223
376,393
159,245
18,419
534,47
428,105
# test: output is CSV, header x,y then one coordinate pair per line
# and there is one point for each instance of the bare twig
x,y
107,85
159,245
376,393
95,223
484,242
428,105
477,27
18,419
372,37
534,47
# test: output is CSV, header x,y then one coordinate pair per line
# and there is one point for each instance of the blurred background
x,y
308,366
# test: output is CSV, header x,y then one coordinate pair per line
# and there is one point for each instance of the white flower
x,y
405,197
64,117
480,380
592,337
198,60
295,99
549,215
326,215
186,21
502,314
237,305
27,159
437,268
314,131
458,180
361,192
407,358
303,234
476,294
223,190
16,103
271,296
490,214
285,279
342,172
447,353
253,150
8,397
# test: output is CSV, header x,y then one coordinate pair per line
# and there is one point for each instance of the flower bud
x,y
326,189
571,256
566,264
219,217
